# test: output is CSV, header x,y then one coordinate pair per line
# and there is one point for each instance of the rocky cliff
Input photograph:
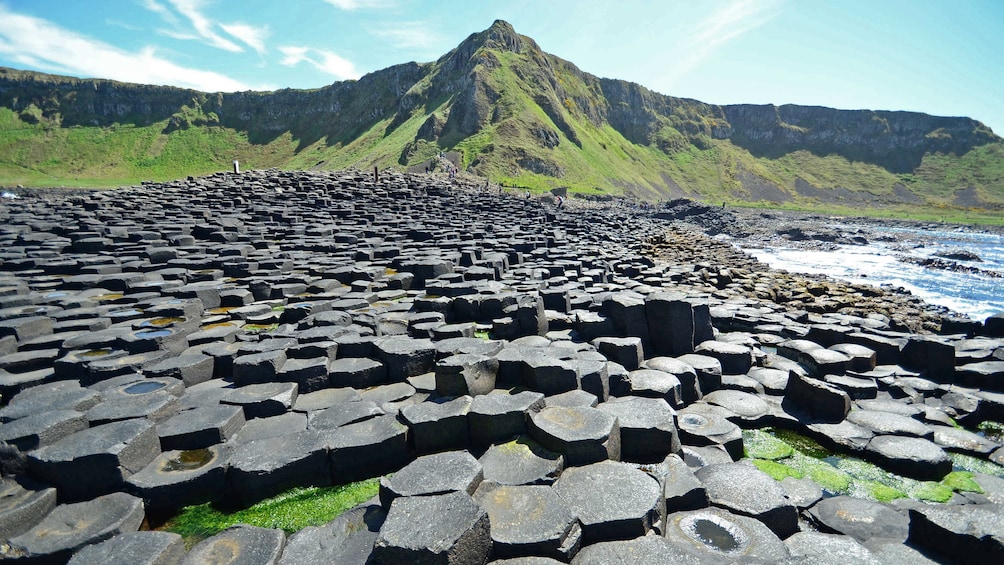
x,y
510,110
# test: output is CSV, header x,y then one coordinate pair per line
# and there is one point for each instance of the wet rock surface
x,y
227,337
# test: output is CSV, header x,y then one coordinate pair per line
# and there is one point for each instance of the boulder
x,y
442,529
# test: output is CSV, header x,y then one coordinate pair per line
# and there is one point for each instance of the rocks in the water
x,y
914,457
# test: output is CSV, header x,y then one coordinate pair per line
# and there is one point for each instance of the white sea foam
x,y
977,296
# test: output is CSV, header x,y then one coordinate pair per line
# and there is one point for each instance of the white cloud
x,y
188,22
192,10
38,43
253,36
407,35
725,24
322,60
350,5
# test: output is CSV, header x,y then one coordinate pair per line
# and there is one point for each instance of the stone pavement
x,y
543,383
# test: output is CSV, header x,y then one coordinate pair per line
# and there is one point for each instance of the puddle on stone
x,y
161,322
125,313
714,535
143,388
153,334
96,353
189,460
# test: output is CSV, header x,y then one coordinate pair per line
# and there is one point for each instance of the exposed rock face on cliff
x,y
510,109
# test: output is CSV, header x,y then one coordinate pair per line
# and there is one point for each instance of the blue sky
x,y
943,57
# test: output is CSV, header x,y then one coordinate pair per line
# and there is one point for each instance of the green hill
x,y
514,114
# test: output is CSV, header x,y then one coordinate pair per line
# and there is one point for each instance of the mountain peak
x,y
502,36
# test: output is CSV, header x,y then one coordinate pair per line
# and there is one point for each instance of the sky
x,y
941,57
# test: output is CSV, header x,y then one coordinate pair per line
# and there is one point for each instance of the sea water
x,y
976,295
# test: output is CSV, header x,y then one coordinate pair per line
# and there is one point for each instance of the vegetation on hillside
x,y
516,115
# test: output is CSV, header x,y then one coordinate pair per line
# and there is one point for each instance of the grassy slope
x,y
42,155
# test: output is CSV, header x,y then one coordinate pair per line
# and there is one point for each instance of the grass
x,y
290,511
593,157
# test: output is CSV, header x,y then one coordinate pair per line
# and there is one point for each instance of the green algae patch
x,y
825,475
760,444
961,481
975,465
805,445
777,471
482,334
881,492
291,511
932,492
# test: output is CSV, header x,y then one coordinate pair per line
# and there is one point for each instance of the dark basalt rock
x,y
861,519
141,548
822,548
22,508
612,500
347,539
439,473
746,490
70,527
717,534
240,544
447,528
98,459
968,534
581,435
914,457
529,520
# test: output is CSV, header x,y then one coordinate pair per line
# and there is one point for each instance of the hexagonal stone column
x,y
135,548
448,529
647,427
911,456
367,449
530,521
22,508
240,544
347,539
201,427
97,460
716,534
703,428
438,424
70,527
466,373
501,415
439,473
583,435
265,467
612,500
521,462
746,490
181,478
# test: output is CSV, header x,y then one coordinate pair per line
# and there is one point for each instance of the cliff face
x,y
509,109
895,141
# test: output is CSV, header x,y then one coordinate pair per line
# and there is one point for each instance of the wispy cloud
x,y
350,5
188,22
731,21
407,35
322,60
253,36
39,43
